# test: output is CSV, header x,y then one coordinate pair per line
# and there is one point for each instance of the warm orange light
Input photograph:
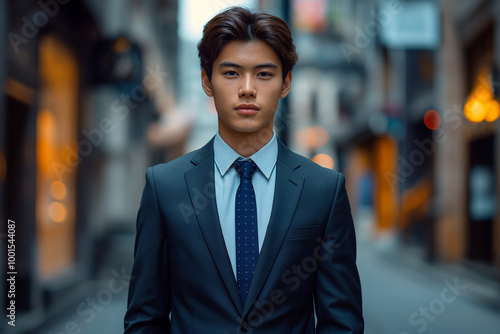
x,y
483,91
57,212
317,136
481,104
58,189
432,119
312,137
57,95
474,111
323,160
301,137
121,45
492,111
46,143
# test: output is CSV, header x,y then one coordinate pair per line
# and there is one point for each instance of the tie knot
x,y
245,168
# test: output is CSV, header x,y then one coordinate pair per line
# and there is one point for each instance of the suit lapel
x,y
197,179
286,197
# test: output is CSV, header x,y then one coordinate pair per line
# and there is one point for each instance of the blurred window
x,y
57,156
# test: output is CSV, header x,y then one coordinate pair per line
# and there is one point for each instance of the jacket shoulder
x,y
186,161
174,170
180,163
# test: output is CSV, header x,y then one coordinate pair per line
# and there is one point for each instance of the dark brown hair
x,y
239,24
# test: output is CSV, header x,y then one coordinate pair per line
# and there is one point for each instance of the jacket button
x,y
244,327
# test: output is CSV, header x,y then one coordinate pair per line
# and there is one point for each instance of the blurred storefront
x,y
47,58
80,86
407,92
467,171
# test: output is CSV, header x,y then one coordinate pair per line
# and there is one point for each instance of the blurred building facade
x,y
402,96
467,172
81,83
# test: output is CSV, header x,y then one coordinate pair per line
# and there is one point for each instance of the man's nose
x,y
248,86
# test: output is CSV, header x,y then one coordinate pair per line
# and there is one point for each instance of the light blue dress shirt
x,y
227,181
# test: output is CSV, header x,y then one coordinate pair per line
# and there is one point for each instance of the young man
x,y
243,235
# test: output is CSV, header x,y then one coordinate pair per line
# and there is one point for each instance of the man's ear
x,y
206,84
287,85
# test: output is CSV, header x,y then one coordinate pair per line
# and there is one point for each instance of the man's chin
x,y
250,130
247,127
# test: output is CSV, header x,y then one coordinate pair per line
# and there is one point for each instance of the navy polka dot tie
x,y
247,240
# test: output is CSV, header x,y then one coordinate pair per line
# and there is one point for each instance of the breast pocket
x,y
303,232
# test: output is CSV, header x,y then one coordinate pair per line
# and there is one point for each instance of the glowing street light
x,y
481,104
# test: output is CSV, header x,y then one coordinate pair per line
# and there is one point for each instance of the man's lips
x,y
247,109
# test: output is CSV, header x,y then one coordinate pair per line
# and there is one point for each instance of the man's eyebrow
x,y
271,65
230,64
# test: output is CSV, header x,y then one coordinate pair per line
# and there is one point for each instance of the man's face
x,y
246,86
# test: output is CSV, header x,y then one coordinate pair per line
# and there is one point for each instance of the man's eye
x,y
265,74
230,73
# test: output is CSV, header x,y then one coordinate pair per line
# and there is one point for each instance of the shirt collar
x,y
265,158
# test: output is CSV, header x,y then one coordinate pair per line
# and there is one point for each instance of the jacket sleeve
x,y
337,292
149,291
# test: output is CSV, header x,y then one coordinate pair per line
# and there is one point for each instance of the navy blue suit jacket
x,y
183,281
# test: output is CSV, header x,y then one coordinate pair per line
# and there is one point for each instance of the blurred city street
x,y
109,320
401,295
404,295
401,96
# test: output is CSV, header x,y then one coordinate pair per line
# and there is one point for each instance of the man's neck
x,y
246,143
